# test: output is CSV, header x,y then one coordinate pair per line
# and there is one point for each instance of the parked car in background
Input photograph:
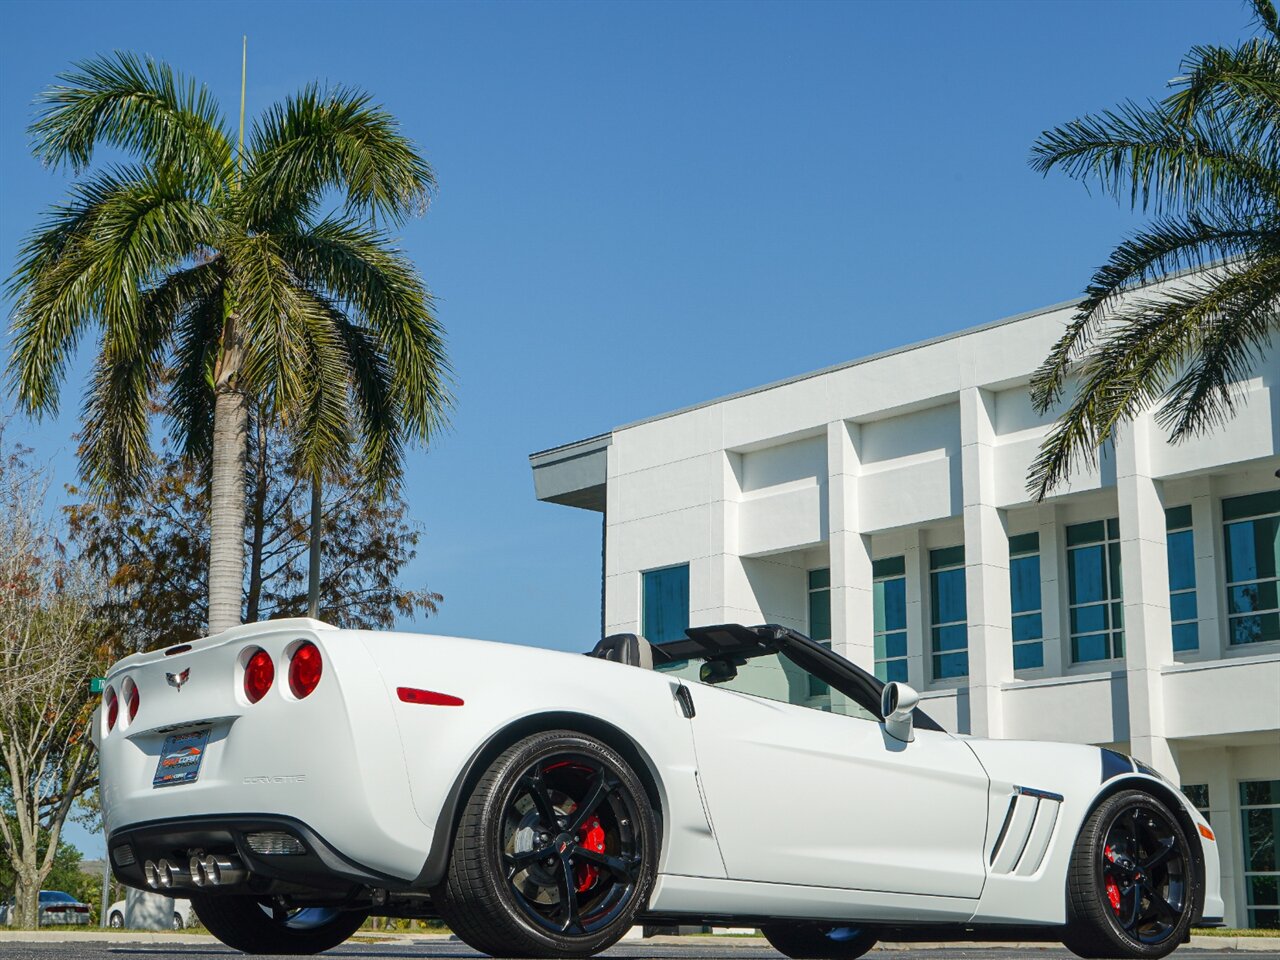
x,y
55,907
182,916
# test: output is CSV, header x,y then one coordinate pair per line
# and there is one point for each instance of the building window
x,y
1252,529
1182,579
1198,794
820,625
1024,589
1096,611
1260,813
820,606
889,583
948,613
666,604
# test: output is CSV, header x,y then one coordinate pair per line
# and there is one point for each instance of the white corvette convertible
x,y
292,779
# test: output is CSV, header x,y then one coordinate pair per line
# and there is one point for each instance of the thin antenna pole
x,y
244,68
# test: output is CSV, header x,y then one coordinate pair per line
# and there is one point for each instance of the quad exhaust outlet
x,y
207,871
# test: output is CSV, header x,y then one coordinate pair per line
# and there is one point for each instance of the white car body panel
x,y
777,824
767,809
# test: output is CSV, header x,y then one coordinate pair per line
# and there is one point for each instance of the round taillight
x,y
113,707
304,669
132,700
259,673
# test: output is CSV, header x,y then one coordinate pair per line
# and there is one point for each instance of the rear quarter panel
x,y
502,685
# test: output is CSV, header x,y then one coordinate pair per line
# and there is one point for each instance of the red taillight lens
x,y
259,673
113,708
133,701
304,669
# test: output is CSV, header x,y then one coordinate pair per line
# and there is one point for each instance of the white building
x,y
882,504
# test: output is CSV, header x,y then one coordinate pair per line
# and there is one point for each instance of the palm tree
x,y
224,276
1206,161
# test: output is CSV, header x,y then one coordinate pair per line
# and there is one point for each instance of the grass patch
x,y
1234,932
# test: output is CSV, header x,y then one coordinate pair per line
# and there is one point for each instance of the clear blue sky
x,y
648,205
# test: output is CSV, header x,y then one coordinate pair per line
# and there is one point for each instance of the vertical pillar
x,y
1206,522
916,564
1148,636
986,557
723,601
852,601
1053,587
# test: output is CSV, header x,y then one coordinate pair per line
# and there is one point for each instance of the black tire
x,y
1131,887
116,920
517,888
177,920
819,941
251,926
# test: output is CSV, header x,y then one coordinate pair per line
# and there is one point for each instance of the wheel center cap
x,y
563,842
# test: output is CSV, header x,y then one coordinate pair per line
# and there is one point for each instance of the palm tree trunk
x,y
258,520
226,509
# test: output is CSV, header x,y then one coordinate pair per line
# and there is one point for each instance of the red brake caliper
x,y
1113,889
590,836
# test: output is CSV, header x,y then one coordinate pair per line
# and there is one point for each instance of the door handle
x,y
686,701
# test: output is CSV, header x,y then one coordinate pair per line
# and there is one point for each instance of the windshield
x,y
56,896
769,675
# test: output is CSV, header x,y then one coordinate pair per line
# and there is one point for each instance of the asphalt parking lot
x,y
694,949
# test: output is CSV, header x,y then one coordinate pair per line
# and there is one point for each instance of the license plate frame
x,y
181,758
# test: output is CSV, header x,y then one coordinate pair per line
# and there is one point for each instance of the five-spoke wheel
x,y
554,853
1132,882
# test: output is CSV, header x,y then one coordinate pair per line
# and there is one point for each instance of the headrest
x,y
625,648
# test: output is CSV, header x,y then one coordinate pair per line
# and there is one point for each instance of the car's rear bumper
x,y
320,867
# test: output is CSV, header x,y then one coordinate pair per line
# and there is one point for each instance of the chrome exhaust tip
x,y
151,873
196,868
223,871
164,873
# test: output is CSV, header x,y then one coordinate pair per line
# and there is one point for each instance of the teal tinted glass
x,y
820,579
1088,575
946,557
1255,505
1253,549
1024,543
1186,636
1182,560
1177,518
947,597
1028,656
1080,533
889,567
1024,583
1027,627
666,604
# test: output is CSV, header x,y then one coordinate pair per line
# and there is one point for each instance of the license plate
x,y
180,758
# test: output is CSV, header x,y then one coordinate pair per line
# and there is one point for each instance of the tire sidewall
x,y
1099,823
540,748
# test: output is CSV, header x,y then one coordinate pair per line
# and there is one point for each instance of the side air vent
x,y
1025,834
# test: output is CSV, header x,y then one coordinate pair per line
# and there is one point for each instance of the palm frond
x,y
1241,327
357,268
340,140
139,105
1167,246
1143,157
379,413
1264,15
90,264
1139,354
191,396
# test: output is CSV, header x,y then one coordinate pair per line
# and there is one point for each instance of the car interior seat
x,y
625,648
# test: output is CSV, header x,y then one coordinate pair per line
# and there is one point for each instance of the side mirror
x,y
897,701
717,671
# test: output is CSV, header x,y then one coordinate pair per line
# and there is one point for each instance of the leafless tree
x,y
49,651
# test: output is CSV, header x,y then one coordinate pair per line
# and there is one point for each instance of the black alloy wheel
x,y
1132,884
554,853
